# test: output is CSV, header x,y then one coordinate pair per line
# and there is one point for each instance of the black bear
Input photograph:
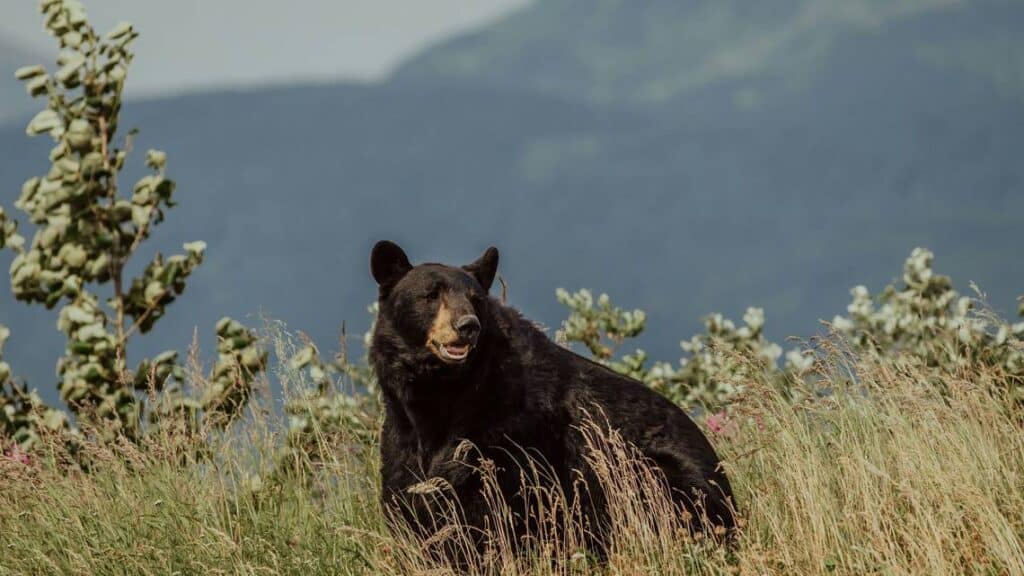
x,y
455,365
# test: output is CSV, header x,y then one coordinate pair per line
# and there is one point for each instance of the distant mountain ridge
x,y
653,51
755,189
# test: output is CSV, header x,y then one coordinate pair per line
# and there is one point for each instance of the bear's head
x,y
432,308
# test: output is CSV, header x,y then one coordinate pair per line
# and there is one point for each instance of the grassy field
x,y
896,471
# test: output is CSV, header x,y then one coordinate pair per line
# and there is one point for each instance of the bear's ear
x,y
388,263
484,268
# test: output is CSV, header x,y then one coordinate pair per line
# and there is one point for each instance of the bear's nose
x,y
468,327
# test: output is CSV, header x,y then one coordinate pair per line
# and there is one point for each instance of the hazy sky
x,y
189,44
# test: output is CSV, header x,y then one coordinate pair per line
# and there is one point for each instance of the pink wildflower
x,y
717,422
16,454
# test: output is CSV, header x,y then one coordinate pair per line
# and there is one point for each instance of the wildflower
x,y
16,454
716,422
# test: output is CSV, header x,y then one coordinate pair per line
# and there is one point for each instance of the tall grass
x,y
895,471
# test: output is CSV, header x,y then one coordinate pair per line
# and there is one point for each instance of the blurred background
x,y
685,156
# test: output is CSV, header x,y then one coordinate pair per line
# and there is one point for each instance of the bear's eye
x,y
434,293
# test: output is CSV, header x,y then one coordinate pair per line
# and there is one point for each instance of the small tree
x,y
88,230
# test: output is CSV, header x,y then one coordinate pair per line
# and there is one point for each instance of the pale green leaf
x,y
45,121
29,72
120,30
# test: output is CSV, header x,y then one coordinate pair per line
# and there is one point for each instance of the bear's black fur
x,y
455,365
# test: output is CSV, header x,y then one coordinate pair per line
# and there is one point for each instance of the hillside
x,y
710,200
645,52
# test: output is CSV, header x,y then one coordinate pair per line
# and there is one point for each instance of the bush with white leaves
x,y
87,231
334,399
22,413
714,364
923,318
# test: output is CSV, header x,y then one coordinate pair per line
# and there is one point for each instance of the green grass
x,y
884,477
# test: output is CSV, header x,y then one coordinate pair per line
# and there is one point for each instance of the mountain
x,y
710,200
654,51
14,103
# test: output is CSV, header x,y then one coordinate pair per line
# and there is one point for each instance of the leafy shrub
x,y
923,317
22,412
86,232
714,366
326,399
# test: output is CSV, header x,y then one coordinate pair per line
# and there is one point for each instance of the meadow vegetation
x,y
886,473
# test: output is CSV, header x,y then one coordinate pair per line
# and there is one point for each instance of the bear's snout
x,y
454,332
468,327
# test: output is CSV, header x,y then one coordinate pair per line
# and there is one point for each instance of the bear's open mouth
x,y
453,352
